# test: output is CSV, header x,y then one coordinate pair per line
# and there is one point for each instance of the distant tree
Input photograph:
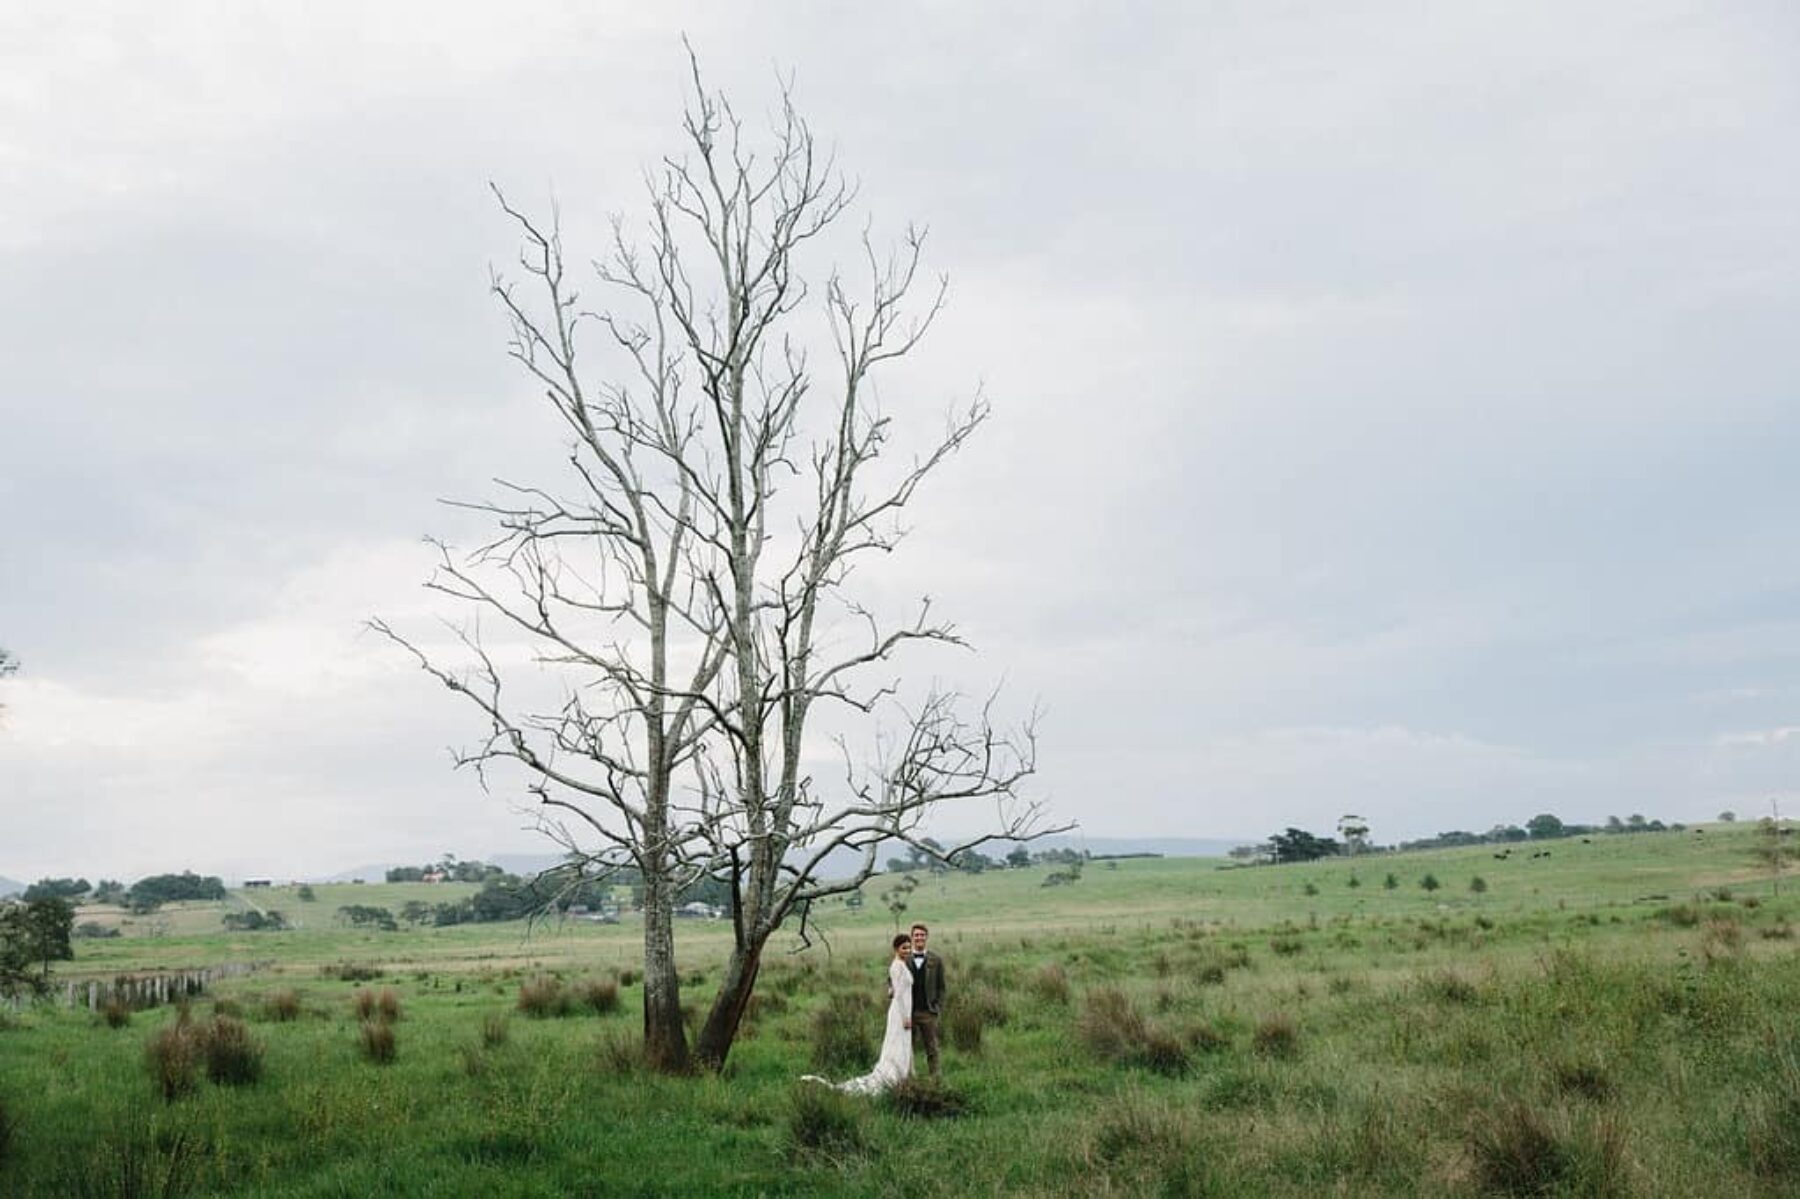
x,y
1728,817
1430,882
1507,832
1635,821
361,915
148,894
1354,830
32,936
110,890
306,894
8,665
895,897
1298,845
1614,825
56,888
254,922
415,911
1019,858
1544,826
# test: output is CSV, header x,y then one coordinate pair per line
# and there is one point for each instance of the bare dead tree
x,y
692,587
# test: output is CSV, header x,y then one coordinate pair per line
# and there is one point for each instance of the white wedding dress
x,y
896,1060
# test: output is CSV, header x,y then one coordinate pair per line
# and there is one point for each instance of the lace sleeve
x,y
902,980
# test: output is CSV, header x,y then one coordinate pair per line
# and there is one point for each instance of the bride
x,y
895,1063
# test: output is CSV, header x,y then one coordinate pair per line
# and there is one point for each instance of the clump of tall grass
x,y
115,1012
824,1123
1583,1078
370,1004
494,1030
1449,986
172,1056
1772,1126
378,1042
1110,1025
1115,1031
963,1026
351,972
1515,1149
9,1130
282,1006
620,1054
922,1098
599,994
233,1057
1050,983
1277,1035
841,1033
134,1160
224,1006
544,997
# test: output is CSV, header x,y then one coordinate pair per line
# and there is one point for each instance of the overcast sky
x,y
1396,412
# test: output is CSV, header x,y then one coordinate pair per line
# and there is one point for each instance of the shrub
x,y
173,1059
115,1011
1430,882
233,1057
282,1006
627,978
494,1030
841,1034
544,997
379,1044
822,1122
600,994
1276,1035
926,1099
1478,885
1050,983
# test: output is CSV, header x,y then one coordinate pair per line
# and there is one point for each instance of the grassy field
x,y
1619,1017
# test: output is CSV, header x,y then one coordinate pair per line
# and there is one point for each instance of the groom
x,y
927,994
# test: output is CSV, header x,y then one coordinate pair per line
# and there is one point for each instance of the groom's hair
x,y
920,928
901,939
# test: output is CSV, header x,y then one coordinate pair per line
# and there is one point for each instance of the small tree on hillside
x,y
1355,832
1544,826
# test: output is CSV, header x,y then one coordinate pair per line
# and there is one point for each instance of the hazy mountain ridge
x,y
844,861
10,887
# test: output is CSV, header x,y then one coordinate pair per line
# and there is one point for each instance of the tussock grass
x,y
1277,1035
378,1042
544,997
843,1034
822,1122
494,1030
172,1056
233,1057
922,1098
598,995
115,1012
282,1006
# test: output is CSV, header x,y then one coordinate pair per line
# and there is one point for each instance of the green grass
x,y
1565,1032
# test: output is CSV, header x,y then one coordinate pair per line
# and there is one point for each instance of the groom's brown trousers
x,y
925,1028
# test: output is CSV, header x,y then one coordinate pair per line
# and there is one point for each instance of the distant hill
x,y
844,861
9,887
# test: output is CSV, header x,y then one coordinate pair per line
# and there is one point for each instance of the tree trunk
x,y
665,1038
721,1027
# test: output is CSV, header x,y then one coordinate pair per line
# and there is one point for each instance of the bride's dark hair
x,y
901,939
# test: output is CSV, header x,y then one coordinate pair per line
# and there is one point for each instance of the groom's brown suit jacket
x,y
928,983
